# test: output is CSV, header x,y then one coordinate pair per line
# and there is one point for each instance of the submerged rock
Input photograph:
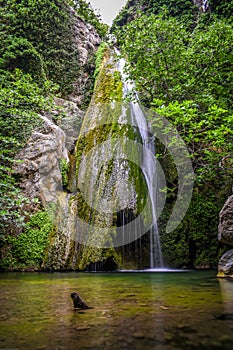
x,y
225,235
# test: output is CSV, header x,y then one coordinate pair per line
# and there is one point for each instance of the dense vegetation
x,y
185,10
181,61
184,72
39,59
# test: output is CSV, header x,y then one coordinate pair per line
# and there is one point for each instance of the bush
x,y
28,248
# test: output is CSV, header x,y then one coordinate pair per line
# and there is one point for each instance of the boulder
x,y
38,167
225,235
225,265
225,228
70,118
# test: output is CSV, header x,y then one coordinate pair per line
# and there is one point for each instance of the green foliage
x,y
64,168
207,135
209,61
21,101
99,56
28,248
194,242
20,53
222,8
185,10
168,62
40,35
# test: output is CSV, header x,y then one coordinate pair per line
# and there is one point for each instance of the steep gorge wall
x,y
47,157
87,219
87,41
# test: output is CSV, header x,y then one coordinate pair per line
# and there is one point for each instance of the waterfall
x,y
148,165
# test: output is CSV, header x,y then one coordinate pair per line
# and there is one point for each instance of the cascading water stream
x,y
148,165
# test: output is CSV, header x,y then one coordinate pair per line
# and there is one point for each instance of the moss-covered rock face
x,y
104,187
108,183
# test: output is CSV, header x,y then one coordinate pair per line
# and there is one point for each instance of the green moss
x,y
93,255
102,123
100,53
109,86
64,168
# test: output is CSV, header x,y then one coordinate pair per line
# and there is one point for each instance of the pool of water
x,y
138,311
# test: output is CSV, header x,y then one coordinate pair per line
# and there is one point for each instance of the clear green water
x,y
185,310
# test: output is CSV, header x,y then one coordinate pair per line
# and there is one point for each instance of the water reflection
x,y
163,311
227,296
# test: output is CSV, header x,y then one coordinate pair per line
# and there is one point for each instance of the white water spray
x,y
148,165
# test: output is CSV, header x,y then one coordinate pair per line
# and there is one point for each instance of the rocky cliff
x,y
225,235
105,186
47,158
87,41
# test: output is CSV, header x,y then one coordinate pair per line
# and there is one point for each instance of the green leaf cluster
x,y
188,11
21,101
186,77
184,73
38,38
194,242
28,248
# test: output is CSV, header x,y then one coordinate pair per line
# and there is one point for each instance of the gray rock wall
x,y
87,41
225,235
38,169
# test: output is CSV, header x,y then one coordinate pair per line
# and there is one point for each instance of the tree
x,y
47,26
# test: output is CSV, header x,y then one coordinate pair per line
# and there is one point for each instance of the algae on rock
x,y
107,181
105,188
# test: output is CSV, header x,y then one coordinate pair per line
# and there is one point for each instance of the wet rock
x,y
138,335
225,317
225,265
225,228
225,235
69,120
78,302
